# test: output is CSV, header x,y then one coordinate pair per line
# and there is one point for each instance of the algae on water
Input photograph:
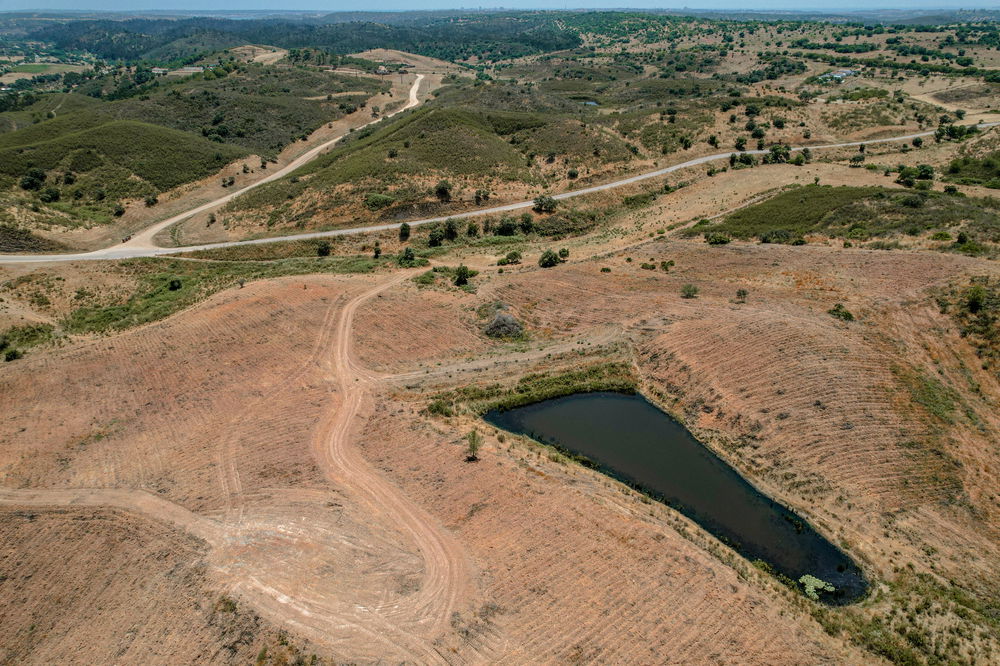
x,y
813,586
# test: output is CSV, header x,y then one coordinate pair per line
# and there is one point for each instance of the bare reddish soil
x,y
269,447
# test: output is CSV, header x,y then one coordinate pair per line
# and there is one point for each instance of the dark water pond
x,y
629,439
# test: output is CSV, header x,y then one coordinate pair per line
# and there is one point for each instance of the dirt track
x,y
402,627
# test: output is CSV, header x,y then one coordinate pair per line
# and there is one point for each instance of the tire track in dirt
x,y
445,565
228,459
389,626
129,499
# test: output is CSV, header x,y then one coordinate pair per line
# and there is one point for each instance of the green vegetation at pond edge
x,y
168,286
613,376
909,635
861,213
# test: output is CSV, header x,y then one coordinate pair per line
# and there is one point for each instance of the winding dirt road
x,y
142,245
243,551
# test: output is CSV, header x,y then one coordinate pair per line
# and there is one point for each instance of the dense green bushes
x,y
163,157
861,213
983,171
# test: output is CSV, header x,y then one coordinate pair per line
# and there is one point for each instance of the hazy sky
x,y
378,5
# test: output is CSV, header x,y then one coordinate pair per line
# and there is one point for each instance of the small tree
x,y
548,259
33,179
741,295
443,191
975,298
378,250
563,254
450,229
462,275
407,258
473,443
404,232
689,291
545,204
323,249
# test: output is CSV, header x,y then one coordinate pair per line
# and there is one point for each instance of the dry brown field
x,y
259,469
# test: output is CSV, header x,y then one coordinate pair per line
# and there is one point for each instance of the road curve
x,y
406,626
142,245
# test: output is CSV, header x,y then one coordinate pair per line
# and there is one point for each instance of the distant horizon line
x,y
275,10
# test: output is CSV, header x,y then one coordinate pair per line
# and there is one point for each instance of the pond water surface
x,y
629,439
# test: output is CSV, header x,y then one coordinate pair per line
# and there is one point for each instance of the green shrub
x,y
840,312
462,275
689,291
163,157
513,257
154,298
440,408
376,201
548,259
545,204
777,236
